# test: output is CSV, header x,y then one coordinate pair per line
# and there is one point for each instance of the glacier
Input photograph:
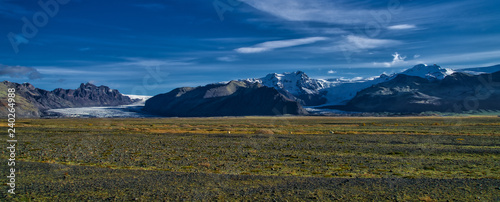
x,y
124,111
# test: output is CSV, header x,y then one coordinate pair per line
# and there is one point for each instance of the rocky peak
x,y
28,86
88,85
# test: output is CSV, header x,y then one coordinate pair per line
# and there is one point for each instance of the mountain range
x,y
418,89
313,92
35,102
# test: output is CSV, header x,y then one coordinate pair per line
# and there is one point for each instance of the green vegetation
x,y
23,106
293,158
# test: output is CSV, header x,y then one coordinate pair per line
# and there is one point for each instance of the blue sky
x,y
152,46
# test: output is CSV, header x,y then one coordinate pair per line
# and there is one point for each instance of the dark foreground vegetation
x,y
263,158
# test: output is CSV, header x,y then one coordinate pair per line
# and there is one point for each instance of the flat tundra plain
x,y
257,158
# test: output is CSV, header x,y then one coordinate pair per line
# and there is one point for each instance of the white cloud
x,y
368,43
331,72
416,56
396,61
402,26
271,45
356,43
312,10
357,12
51,70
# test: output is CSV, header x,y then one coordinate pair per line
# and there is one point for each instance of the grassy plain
x,y
259,158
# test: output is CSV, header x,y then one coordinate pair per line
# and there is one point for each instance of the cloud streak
x,y
402,27
230,58
11,10
313,11
19,72
271,45
357,43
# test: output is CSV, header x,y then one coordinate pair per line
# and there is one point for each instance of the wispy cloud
x,y
19,72
49,70
357,43
60,81
331,72
129,67
230,58
271,45
11,10
313,10
402,27
145,62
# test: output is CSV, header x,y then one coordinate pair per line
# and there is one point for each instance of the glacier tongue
x,y
123,111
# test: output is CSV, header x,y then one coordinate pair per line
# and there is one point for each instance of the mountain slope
x,y
455,93
34,102
236,98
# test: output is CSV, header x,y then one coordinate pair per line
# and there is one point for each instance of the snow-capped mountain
x,y
428,71
336,91
296,86
296,83
345,91
308,91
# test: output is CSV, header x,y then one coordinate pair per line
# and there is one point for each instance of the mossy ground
x,y
294,158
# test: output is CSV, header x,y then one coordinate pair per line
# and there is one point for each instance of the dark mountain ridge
x,y
34,102
236,98
458,92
